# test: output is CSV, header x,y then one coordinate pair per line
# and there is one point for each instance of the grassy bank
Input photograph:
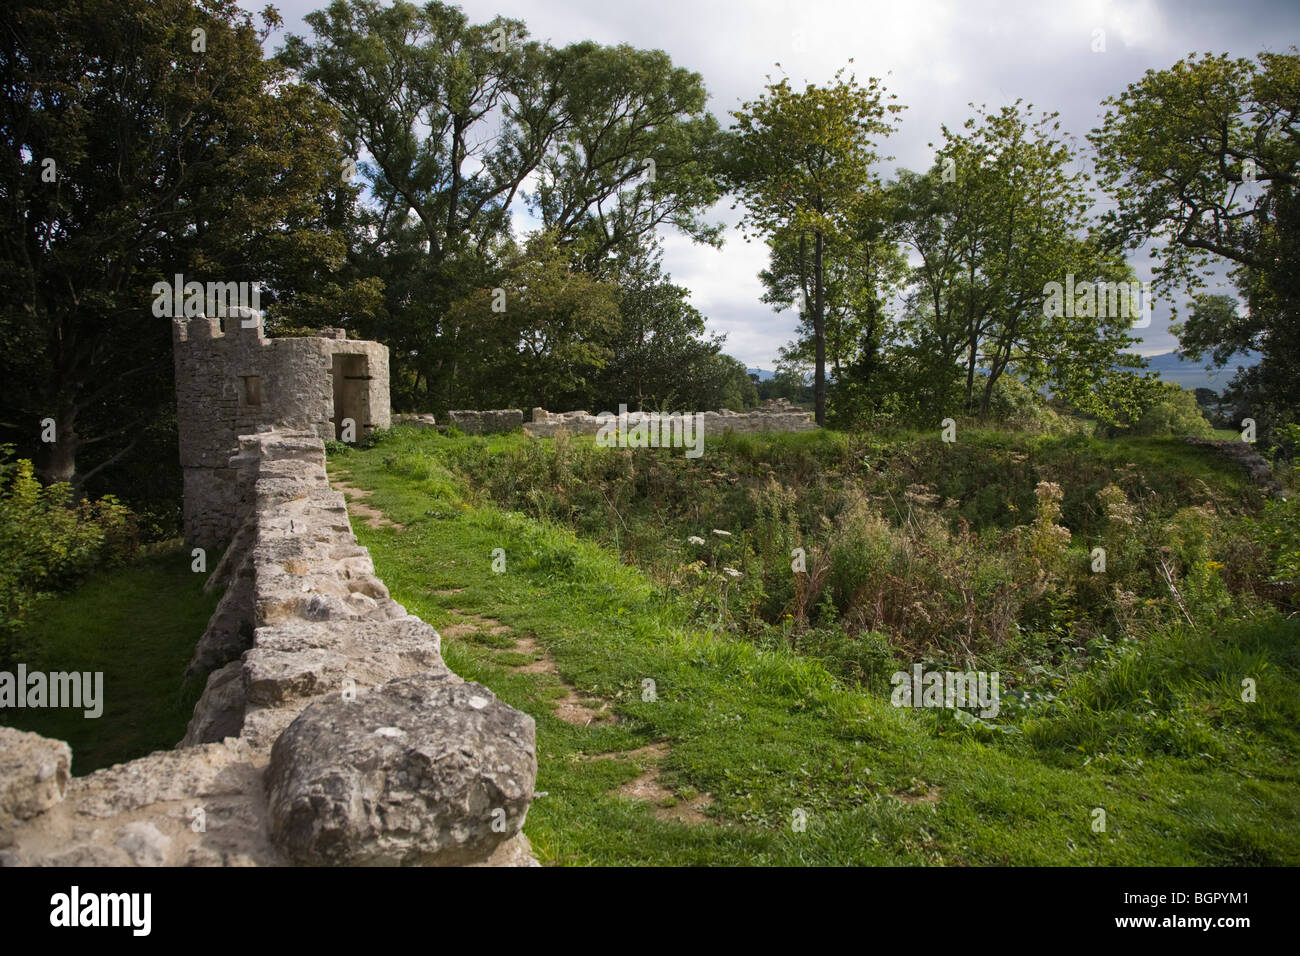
x,y
664,741
138,625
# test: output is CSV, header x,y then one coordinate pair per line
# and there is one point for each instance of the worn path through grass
x,y
757,757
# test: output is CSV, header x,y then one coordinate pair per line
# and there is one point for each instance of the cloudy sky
x,y
938,56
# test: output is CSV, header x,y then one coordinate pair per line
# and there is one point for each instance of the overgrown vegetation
x,y
137,624
50,541
980,552
1121,689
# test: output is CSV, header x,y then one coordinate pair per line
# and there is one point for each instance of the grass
x,y
138,625
1186,773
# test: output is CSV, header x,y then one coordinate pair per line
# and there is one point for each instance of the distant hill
x,y
1191,375
762,373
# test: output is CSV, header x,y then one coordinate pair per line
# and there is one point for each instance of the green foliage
x,y
955,551
1014,404
49,541
1278,529
1205,153
138,624
660,357
1173,411
801,163
1177,693
464,119
540,340
799,715
167,159
1001,216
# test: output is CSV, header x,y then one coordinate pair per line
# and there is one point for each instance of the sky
x,y
938,56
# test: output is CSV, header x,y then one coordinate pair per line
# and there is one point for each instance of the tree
x,y
660,355
1000,226
540,336
1204,157
786,383
863,269
463,123
801,162
141,139
723,383
1173,410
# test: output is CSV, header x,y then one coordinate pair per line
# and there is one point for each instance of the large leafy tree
x,y
1002,214
801,161
662,358
1204,157
459,125
540,336
142,138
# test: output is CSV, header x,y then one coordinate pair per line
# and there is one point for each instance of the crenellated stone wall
x,y
330,731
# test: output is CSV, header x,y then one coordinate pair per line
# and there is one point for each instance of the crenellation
x,y
232,380
305,653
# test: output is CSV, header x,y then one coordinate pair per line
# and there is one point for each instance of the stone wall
x,y
488,422
1245,455
330,731
776,415
228,383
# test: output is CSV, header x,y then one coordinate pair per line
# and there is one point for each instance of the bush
x,y
1015,403
49,541
1278,529
1174,412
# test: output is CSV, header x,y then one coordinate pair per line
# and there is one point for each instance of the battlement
x,y
232,380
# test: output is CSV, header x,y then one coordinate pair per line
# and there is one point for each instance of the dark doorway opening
x,y
351,393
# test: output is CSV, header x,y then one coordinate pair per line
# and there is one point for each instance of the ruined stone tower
x,y
230,379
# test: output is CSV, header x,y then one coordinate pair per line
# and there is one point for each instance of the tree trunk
x,y
819,330
970,373
57,460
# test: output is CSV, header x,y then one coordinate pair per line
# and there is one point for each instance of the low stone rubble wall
x,y
1244,454
330,731
483,423
777,415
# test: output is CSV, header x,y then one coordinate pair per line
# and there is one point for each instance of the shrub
x,y
1278,530
49,541
1174,412
1012,402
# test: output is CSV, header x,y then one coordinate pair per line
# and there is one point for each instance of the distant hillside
x,y
762,373
1174,368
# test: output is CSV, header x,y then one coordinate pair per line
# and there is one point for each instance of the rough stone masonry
x,y
330,731
231,379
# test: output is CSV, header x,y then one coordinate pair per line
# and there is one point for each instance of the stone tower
x,y
231,379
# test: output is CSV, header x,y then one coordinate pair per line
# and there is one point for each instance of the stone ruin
x,y
231,380
330,731
774,415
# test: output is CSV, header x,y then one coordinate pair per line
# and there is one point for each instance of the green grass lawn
x,y
138,625
1185,772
